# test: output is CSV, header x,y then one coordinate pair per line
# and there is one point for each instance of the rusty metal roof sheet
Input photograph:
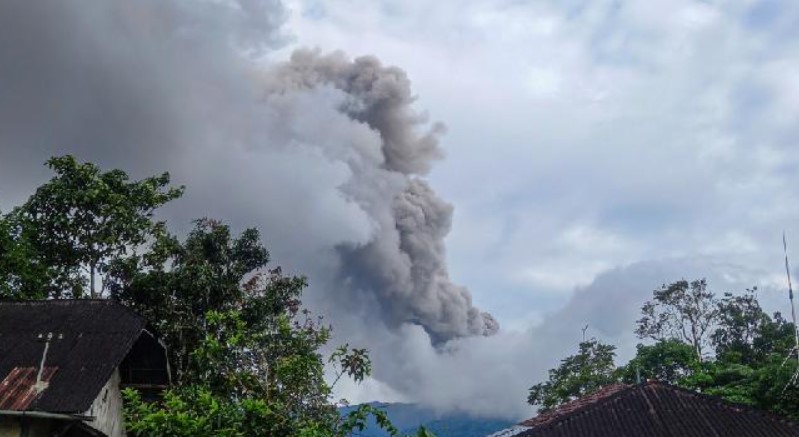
x,y
18,389
90,339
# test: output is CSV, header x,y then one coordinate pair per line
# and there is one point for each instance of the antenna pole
x,y
790,296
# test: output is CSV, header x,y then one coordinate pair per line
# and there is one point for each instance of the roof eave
x,y
47,415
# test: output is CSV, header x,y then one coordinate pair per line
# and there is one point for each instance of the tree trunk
x,y
91,281
696,343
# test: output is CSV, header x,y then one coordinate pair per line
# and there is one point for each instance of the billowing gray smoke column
x,y
322,153
444,308
406,267
376,95
404,264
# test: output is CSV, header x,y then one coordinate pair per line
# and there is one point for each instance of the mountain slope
x,y
409,417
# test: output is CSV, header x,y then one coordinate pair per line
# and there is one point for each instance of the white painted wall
x,y
107,409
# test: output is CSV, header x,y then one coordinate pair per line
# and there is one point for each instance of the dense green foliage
x,y
667,361
578,375
240,333
22,274
244,354
680,311
754,361
75,226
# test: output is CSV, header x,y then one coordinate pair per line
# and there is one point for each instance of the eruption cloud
x,y
404,264
324,154
327,156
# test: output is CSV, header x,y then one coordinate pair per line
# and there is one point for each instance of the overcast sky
x,y
596,144
594,150
588,135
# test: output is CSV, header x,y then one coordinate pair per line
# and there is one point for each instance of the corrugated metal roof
x,y
18,389
655,409
575,405
90,339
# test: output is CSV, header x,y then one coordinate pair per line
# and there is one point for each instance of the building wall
x,y
107,409
12,427
9,427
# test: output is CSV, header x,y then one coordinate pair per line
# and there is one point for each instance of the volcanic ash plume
x,y
445,309
322,153
403,266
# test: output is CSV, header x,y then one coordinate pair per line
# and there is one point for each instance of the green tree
x,y
667,361
245,355
83,219
578,375
774,337
680,311
742,322
226,315
178,285
197,412
238,333
22,275
774,388
754,363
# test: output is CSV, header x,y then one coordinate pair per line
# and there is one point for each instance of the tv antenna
x,y
793,315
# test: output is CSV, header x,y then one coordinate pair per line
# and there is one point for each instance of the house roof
x,y
654,409
88,340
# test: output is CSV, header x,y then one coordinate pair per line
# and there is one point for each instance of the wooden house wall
x,y
107,409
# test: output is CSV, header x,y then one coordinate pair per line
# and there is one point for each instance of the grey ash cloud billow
x,y
377,95
404,264
408,268
325,154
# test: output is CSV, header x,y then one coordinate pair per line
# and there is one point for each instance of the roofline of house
x,y
46,415
741,408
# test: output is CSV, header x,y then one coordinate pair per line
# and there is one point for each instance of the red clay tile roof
x,y
90,339
655,409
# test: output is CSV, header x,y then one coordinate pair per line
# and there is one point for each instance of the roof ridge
x,y
727,404
108,301
616,396
64,300
581,405
57,301
130,311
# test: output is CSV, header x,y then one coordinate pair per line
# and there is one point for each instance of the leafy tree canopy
x,y
22,274
245,356
753,364
578,375
667,360
78,223
680,311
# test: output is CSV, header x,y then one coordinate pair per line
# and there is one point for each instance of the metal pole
x,y
790,296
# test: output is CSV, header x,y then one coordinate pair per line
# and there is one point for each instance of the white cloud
x,y
589,135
